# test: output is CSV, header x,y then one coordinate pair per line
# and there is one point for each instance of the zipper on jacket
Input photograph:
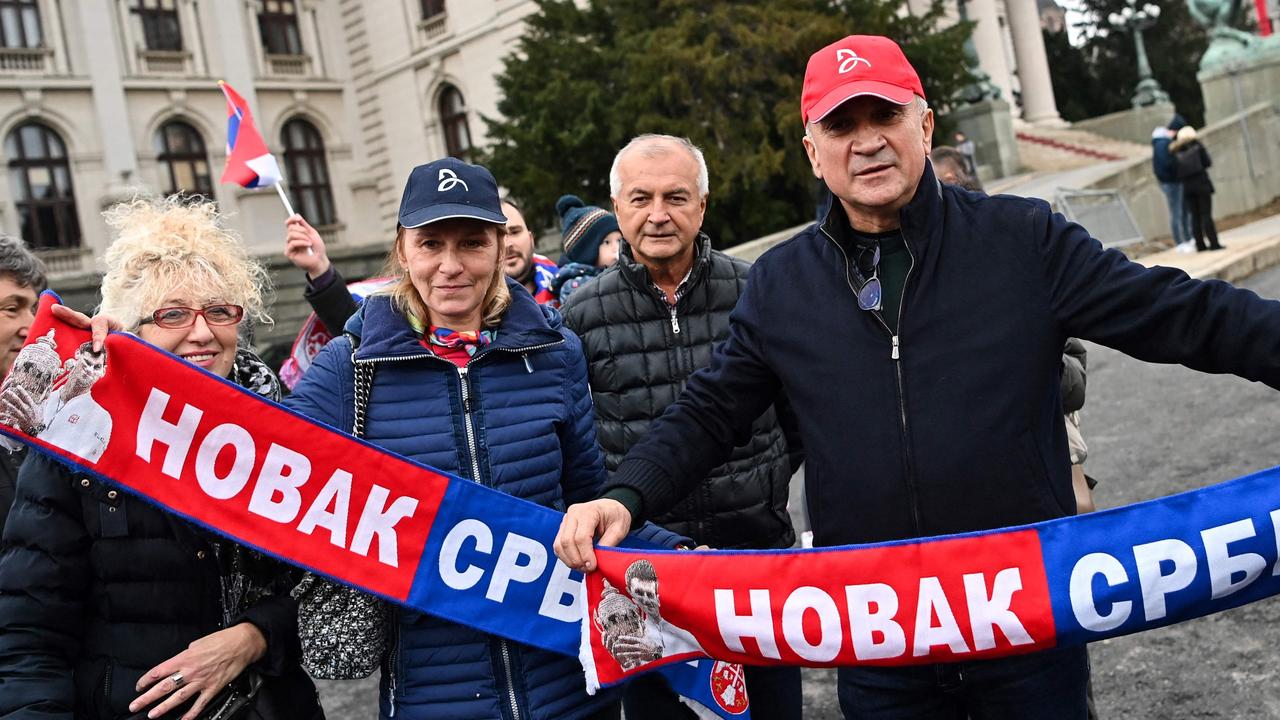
x,y
511,679
912,491
467,401
661,296
106,686
393,667
465,383
465,389
896,355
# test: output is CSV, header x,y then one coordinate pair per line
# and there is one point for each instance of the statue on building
x,y
1228,43
980,89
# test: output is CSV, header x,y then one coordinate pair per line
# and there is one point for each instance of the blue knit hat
x,y
584,227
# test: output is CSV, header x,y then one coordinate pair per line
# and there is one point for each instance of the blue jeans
x,y
1048,685
1177,211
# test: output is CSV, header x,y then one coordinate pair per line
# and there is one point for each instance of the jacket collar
x,y
382,332
921,219
639,274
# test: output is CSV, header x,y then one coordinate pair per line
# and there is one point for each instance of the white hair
x,y
921,105
652,145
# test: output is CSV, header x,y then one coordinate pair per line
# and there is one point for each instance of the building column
x,y
109,107
1038,103
234,26
988,43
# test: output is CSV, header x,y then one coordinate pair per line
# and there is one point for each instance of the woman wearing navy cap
x,y
460,369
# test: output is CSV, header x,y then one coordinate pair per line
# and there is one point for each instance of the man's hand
x,y
304,247
631,651
608,520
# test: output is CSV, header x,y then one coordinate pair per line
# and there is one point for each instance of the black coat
x,y
97,587
1075,359
332,303
638,364
9,464
955,424
1193,163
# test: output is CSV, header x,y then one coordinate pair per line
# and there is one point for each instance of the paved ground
x,y
1153,430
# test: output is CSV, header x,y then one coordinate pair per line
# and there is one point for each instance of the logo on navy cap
x,y
449,180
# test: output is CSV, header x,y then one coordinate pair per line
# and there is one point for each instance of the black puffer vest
x,y
640,352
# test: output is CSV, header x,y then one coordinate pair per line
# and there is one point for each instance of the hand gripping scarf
x,y
273,480
268,478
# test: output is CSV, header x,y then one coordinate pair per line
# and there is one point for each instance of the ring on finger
x,y
177,680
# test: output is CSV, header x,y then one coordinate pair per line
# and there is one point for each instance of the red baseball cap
x,y
857,65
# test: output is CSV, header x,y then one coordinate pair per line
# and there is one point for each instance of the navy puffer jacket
x,y
533,438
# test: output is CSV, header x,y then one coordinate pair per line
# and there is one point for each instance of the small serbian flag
x,y
249,163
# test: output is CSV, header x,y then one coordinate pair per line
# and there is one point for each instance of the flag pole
x,y
285,199
289,209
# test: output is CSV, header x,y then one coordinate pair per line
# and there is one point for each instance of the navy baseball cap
x,y
450,188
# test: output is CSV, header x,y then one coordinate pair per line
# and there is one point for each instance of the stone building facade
x,y
101,99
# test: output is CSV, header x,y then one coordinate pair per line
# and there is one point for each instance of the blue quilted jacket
x,y
533,438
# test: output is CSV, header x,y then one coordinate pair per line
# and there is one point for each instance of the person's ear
x,y
401,259
811,151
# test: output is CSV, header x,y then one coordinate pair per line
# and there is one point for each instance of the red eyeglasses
x,y
176,318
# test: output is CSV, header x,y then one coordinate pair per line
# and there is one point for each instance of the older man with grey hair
x,y
647,323
22,279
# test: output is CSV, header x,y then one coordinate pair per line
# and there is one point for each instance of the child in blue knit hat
x,y
591,238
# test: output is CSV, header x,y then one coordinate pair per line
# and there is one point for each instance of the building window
x,y
453,118
20,24
180,148
159,20
432,8
40,179
307,172
278,23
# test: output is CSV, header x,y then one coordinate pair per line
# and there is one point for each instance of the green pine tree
x,y
727,75
1100,75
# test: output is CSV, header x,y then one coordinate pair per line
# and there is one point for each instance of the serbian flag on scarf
x,y
249,163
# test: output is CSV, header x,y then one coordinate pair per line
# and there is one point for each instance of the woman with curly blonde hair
x,y
110,607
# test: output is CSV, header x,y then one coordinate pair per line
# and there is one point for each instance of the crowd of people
x,y
913,349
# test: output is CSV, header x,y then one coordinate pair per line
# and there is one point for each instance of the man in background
x,y
22,279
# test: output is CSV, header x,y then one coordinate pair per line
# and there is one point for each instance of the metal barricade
x,y
1103,213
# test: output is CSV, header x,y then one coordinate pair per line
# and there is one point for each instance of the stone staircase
x,y
1043,149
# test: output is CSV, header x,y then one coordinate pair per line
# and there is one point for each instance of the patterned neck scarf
x,y
454,345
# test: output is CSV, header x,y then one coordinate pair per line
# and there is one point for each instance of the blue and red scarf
x,y
273,480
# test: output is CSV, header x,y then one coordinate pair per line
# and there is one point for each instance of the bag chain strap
x,y
363,384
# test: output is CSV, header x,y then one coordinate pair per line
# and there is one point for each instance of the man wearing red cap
x,y
928,381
